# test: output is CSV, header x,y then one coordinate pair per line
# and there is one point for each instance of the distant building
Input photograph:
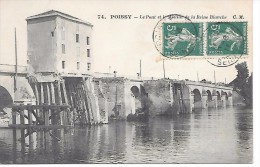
x,y
59,43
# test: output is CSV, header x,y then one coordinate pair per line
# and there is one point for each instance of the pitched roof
x,y
57,13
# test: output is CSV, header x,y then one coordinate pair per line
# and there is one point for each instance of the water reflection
x,y
207,136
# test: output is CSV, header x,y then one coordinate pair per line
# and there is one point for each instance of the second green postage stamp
x,y
226,38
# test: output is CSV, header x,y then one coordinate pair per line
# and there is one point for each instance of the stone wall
x,y
114,93
102,102
159,93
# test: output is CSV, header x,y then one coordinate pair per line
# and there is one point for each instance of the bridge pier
x,y
230,101
14,116
215,100
22,117
223,99
204,99
192,105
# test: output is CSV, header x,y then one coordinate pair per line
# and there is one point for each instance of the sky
x,y
122,43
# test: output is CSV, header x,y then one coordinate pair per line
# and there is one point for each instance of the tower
x,y
59,43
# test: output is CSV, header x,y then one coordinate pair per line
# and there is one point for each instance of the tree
x,y
243,83
249,90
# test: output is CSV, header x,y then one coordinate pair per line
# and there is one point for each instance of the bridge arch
x,y
224,94
197,99
209,95
197,95
135,90
5,97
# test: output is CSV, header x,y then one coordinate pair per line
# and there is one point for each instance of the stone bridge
x,y
174,96
122,95
125,96
163,96
204,95
8,94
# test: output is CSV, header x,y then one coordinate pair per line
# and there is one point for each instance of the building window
x,y
77,38
52,33
88,52
89,66
63,48
87,39
78,65
63,64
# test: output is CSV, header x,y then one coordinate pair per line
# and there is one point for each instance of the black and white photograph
x,y
126,82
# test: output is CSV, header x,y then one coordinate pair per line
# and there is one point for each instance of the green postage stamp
x,y
226,38
182,39
195,39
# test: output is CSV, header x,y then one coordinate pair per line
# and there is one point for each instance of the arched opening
x,y
135,91
197,99
5,99
225,94
197,95
218,96
209,95
135,100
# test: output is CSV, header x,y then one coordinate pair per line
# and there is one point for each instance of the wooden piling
x,y
71,103
22,116
46,116
70,95
52,90
37,96
82,99
13,116
48,112
30,141
65,112
79,106
75,96
88,104
85,114
29,115
41,100
59,101
42,94
52,93
88,100
64,91
14,153
48,94
23,143
76,102
59,93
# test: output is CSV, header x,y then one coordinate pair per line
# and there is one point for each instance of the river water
x,y
208,136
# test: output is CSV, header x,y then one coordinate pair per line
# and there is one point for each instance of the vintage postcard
x,y
131,82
